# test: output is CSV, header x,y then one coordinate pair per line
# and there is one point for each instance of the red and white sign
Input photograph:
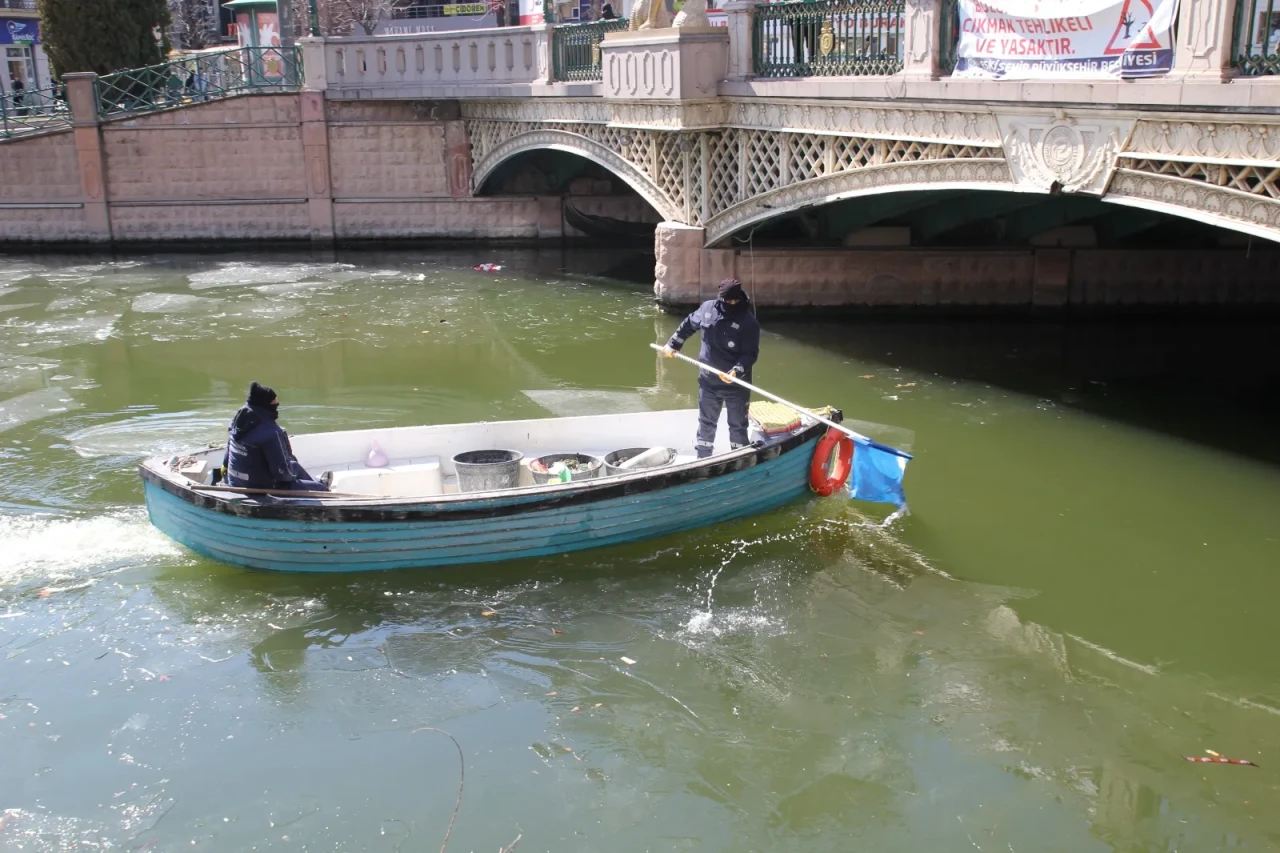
x,y
1029,39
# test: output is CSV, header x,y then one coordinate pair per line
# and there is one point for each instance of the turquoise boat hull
x,y
297,535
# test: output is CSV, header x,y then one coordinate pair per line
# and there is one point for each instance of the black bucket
x,y
617,457
589,467
488,470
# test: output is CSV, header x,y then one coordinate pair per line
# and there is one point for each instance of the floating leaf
x,y
488,613
556,631
599,704
553,693
628,661
867,376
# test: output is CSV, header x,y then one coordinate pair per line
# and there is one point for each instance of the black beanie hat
x,y
731,288
261,395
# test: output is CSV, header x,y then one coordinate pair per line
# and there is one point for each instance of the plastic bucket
x,y
589,467
617,457
488,470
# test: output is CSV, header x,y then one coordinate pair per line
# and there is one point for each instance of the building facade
x,y
24,55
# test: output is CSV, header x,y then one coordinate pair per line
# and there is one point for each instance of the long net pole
x,y
800,410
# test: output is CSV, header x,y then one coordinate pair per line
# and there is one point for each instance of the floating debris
x,y
1206,759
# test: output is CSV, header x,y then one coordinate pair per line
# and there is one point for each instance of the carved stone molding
x,y
1226,207
901,177
584,146
1253,142
695,115
1077,156
578,110
926,125
1204,38
692,15
645,16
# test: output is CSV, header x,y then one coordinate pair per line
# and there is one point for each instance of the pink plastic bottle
x,y
376,458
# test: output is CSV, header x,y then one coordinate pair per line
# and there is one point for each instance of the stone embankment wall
x,y
262,167
686,273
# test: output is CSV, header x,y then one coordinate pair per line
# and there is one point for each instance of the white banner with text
x,y
1042,39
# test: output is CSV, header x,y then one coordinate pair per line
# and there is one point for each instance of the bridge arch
x,y
940,176
1212,195
1201,196
573,143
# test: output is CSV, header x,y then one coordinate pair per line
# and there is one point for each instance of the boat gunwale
x,y
454,507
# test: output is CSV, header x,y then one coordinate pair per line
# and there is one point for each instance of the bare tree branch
x,y
343,16
195,23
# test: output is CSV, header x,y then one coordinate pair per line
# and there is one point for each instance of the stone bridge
x,y
702,123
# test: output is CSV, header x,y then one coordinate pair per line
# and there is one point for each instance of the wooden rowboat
x,y
421,520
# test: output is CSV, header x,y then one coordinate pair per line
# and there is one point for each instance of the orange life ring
x,y
825,478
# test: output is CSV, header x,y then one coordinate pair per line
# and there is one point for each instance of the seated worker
x,y
259,455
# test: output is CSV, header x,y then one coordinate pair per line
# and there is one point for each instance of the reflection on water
x,y
1077,600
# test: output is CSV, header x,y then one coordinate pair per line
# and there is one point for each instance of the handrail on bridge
x,y
827,38
199,77
575,49
34,111
1257,38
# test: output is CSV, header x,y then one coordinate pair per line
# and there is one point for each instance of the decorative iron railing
x,y
827,38
1257,37
33,111
948,34
200,77
575,49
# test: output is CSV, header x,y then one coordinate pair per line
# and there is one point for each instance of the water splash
x,y
53,547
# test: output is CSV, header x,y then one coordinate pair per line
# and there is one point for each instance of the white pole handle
x,y
803,412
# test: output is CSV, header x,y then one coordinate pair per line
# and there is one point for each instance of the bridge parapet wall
x,y
497,62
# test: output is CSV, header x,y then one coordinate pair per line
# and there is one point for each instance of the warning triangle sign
x,y
1123,38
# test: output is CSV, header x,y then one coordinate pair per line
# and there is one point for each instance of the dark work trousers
x,y
712,396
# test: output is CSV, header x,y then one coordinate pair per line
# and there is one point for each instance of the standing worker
x,y
730,344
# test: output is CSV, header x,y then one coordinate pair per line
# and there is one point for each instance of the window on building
x,y
21,66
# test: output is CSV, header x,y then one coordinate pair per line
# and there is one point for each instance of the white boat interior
x,y
420,458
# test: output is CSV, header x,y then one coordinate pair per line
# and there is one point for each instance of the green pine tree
x,y
103,35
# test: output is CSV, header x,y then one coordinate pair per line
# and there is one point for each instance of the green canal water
x,y
1083,593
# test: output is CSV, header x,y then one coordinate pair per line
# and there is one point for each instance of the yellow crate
x,y
774,418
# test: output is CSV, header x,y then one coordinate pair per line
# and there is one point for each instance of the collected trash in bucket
x,y
564,467
488,470
487,267
634,459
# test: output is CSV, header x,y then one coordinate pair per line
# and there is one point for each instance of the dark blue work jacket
x,y
259,455
730,338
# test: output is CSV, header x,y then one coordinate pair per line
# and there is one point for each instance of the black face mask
x,y
274,409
